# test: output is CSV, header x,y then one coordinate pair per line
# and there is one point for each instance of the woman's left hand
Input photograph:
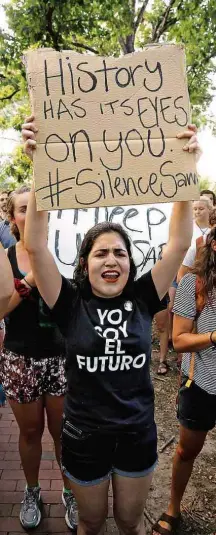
x,y
192,144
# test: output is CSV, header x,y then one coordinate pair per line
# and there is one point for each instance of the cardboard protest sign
x,y
107,128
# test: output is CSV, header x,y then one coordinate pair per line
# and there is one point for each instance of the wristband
x,y
212,341
21,289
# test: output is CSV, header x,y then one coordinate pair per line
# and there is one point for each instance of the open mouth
x,y
110,276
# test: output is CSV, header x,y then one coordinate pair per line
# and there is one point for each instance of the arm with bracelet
x,y
22,290
184,339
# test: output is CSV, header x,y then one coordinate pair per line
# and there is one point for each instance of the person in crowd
x,y
105,316
201,211
6,286
172,294
210,194
3,204
32,368
212,217
6,238
204,214
193,250
193,333
162,324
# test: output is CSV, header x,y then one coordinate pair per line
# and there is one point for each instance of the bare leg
x,y
30,419
54,410
172,293
162,322
92,504
189,447
129,498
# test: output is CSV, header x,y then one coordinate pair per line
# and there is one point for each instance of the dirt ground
x,y
199,504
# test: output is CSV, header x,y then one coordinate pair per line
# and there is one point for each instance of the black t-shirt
x,y
108,348
30,330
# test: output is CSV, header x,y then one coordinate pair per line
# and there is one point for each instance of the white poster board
x,y
146,225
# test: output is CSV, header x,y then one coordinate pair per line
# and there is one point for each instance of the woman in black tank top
x,y
32,367
6,291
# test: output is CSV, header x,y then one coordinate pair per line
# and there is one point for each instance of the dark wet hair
x,y
208,192
80,273
10,209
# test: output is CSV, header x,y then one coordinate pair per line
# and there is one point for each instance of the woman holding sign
x,y
105,316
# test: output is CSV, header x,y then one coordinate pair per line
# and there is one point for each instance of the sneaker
x,y
71,516
30,515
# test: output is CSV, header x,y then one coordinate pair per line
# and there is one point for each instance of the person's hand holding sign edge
x,y
29,129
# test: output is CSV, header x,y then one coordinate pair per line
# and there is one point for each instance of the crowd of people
x,y
79,350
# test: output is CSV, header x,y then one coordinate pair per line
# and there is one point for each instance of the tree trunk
x,y
129,44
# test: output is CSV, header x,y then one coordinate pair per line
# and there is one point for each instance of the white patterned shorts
x,y
25,379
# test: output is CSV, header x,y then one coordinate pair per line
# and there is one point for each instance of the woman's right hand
x,y
28,134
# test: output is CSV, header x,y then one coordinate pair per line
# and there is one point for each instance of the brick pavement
x,y
12,482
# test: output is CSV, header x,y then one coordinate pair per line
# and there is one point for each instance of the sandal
x,y
163,368
171,520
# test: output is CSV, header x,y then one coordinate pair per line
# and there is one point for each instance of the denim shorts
x,y
196,408
89,458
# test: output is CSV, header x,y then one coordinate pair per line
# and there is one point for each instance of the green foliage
x,y
15,170
197,32
205,183
193,23
82,25
106,27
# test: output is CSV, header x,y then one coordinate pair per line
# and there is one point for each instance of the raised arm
x,y
180,234
7,284
45,272
180,230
